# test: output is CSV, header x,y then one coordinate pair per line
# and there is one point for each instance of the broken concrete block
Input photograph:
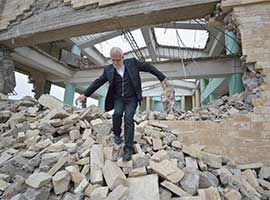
x,y
209,194
72,119
37,180
207,180
251,177
71,147
56,147
174,189
96,122
50,102
202,165
75,174
3,185
80,188
138,172
99,193
190,181
74,135
250,166
212,160
233,195
37,194
265,185
83,161
90,188
191,163
21,137
96,164
166,169
108,153
193,150
60,163
157,144
159,125
177,144
61,182
140,160
113,175
125,164
85,169
4,157
86,134
264,173
137,148
160,155
143,187
118,193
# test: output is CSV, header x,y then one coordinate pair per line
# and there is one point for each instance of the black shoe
x,y
117,140
127,155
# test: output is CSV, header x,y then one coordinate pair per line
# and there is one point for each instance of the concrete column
x,y
69,93
148,103
101,102
193,102
40,84
157,104
7,75
235,80
183,103
197,98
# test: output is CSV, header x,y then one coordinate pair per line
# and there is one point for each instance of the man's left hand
x,y
165,83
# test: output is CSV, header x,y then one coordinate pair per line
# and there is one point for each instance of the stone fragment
x,y
75,174
250,166
113,175
209,194
174,189
160,155
74,135
50,102
143,187
61,182
233,195
193,150
166,169
37,180
80,188
96,164
264,173
99,193
212,160
118,193
138,172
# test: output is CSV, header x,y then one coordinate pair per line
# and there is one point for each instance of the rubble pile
x,y
222,108
50,152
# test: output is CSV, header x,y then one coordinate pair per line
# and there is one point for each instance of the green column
x,y
202,88
101,102
69,93
232,47
212,98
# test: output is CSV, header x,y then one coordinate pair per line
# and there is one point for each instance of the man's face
x,y
117,60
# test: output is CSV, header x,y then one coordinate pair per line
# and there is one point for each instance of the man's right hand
x,y
81,99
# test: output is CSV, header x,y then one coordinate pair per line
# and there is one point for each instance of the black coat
x,y
133,67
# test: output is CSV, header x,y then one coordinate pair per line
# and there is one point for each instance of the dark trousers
x,y
128,107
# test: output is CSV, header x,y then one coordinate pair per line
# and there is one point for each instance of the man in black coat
x,y
124,93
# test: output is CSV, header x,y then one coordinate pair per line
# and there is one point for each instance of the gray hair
x,y
116,50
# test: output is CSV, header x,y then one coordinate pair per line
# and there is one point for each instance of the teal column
x,y
212,98
70,87
235,80
101,102
158,106
69,93
202,88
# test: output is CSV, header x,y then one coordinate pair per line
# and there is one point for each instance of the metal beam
x,y
190,24
175,83
199,68
97,38
218,45
92,54
149,39
159,90
66,22
41,62
172,53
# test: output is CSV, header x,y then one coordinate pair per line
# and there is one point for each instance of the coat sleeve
x,y
96,84
147,67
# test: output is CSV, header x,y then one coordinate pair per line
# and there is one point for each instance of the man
x,y
124,93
